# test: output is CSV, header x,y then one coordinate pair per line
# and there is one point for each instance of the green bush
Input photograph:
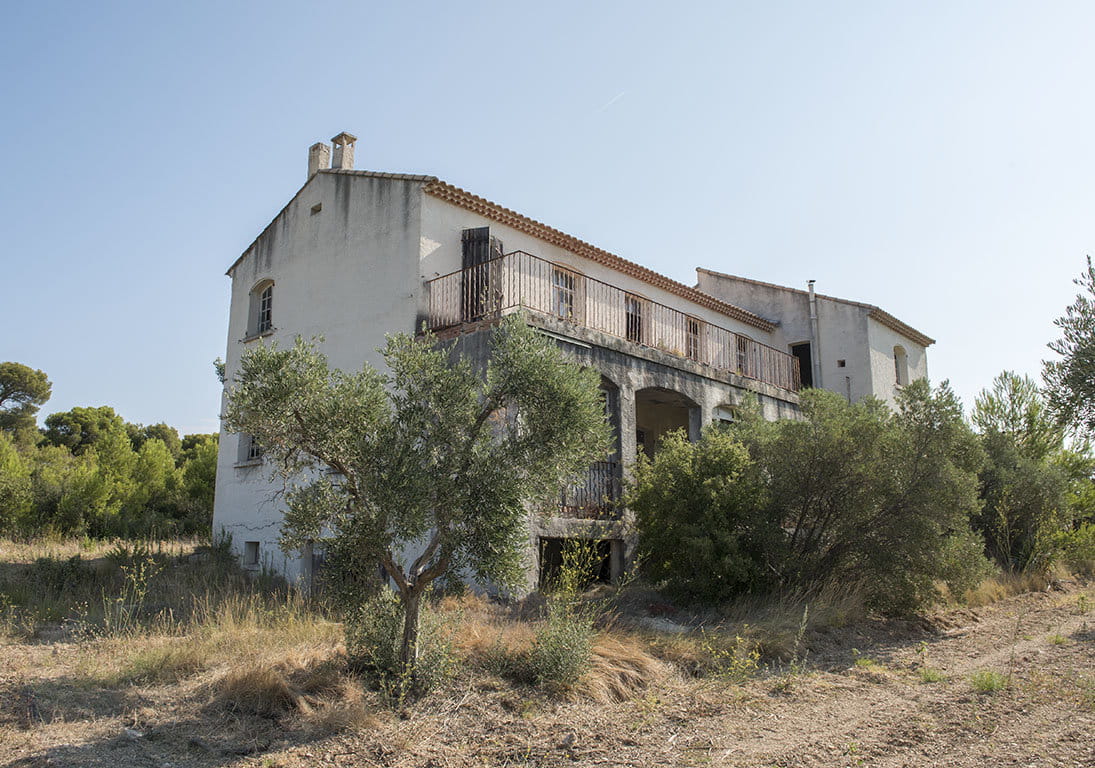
x,y
849,492
704,532
1076,549
562,649
374,633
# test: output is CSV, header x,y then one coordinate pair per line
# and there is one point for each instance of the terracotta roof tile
x,y
451,194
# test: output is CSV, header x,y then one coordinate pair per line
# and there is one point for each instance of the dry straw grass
x,y
310,685
621,667
1004,585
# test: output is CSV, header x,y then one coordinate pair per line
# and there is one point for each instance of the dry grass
x,y
1004,585
622,666
272,687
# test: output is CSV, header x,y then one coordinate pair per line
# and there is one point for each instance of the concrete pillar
x,y
319,158
628,447
695,422
344,151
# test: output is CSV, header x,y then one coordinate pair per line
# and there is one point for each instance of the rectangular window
x,y
250,554
633,310
254,449
266,306
562,288
693,328
743,355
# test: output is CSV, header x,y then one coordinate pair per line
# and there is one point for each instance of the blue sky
x,y
936,159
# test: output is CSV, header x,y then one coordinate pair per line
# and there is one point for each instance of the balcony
x,y
593,496
519,280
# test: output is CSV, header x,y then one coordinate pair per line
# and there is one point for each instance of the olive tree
x,y
427,468
1070,380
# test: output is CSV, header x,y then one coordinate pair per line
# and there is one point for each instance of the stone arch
x,y
659,411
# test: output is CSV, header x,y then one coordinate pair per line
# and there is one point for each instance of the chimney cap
x,y
344,138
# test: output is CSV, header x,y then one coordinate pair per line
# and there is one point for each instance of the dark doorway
x,y
479,250
551,561
805,363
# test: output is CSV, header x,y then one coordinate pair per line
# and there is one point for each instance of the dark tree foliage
x,y
1033,487
1070,381
82,427
851,492
23,390
169,436
701,513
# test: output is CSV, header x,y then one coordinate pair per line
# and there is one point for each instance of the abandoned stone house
x,y
355,255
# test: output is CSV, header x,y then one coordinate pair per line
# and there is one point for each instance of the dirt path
x,y
869,707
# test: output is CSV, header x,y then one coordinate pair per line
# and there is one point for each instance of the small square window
x,y
250,554
841,363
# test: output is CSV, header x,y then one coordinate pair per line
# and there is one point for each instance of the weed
x,y
731,659
1083,604
863,662
988,681
931,675
1058,639
796,668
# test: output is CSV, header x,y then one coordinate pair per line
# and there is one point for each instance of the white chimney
x,y
344,152
319,158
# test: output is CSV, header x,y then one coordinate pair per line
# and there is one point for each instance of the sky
x,y
934,158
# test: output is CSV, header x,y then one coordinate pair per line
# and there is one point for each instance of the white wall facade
x,y
855,350
883,340
346,272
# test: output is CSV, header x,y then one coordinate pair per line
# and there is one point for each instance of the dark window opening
x,y
598,563
805,363
692,338
478,250
633,308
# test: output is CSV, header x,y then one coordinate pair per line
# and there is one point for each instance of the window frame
x,y
260,310
641,318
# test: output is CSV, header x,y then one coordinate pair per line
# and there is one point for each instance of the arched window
x,y
261,315
900,365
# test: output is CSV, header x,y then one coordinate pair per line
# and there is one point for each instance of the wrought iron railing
x,y
521,280
595,495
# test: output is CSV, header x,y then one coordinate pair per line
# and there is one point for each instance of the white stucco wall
x,y
846,330
348,273
883,374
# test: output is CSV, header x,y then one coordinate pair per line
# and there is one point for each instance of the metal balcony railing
x,y
595,495
521,280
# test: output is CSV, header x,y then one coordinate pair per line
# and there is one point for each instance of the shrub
x,y
560,653
374,632
704,532
1076,549
851,492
